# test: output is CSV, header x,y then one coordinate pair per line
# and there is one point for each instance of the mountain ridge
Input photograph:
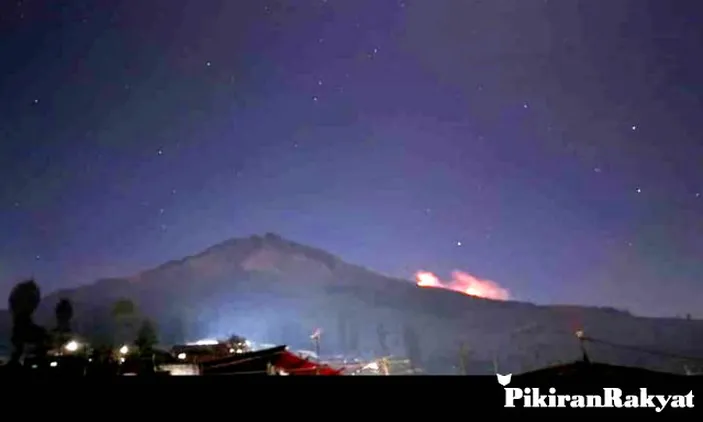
x,y
276,290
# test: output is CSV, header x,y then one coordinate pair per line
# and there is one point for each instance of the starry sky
x,y
553,146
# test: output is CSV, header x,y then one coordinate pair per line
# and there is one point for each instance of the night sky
x,y
553,146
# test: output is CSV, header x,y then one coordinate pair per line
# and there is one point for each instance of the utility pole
x,y
316,339
581,337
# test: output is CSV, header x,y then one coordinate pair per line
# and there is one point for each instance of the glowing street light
x,y
72,346
124,350
182,356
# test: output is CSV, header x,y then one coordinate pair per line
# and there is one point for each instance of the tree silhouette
x,y
23,301
124,313
64,314
236,339
146,337
123,307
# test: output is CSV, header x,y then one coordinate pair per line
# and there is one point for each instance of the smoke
x,y
464,283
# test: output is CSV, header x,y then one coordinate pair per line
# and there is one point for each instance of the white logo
x,y
504,379
611,397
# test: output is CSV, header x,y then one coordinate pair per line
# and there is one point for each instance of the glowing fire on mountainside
x,y
464,283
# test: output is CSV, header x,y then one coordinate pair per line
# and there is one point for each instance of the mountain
x,y
277,291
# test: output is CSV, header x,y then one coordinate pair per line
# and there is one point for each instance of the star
x,y
458,243
638,190
634,127
160,152
698,195
208,64
597,170
36,101
525,106
314,98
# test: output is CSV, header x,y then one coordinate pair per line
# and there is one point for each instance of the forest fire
x,y
464,283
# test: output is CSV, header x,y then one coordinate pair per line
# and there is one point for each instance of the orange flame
x,y
464,283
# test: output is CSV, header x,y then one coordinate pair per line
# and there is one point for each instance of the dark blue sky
x,y
558,141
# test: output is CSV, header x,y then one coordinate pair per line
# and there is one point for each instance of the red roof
x,y
295,365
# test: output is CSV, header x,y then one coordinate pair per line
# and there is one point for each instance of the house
x,y
273,361
591,372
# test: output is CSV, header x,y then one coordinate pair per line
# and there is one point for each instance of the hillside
x,y
274,290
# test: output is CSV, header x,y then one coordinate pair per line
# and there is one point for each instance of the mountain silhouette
x,y
273,290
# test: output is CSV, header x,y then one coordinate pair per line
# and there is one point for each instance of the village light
x,y
182,356
124,350
72,346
